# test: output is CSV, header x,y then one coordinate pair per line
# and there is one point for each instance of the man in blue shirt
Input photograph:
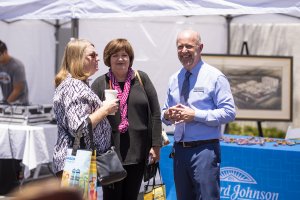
x,y
199,100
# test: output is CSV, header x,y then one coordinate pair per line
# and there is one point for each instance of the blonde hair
x,y
117,45
73,61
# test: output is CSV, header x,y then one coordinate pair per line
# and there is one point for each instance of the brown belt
x,y
197,143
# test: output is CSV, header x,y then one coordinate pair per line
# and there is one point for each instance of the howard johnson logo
x,y
240,186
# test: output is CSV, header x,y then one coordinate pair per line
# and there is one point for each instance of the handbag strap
x,y
153,179
149,134
90,129
76,143
137,74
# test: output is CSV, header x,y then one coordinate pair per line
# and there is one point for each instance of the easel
x,y
259,128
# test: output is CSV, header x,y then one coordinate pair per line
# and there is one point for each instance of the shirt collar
x,y
195,70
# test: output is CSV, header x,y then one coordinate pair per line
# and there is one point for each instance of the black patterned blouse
x,y
73,102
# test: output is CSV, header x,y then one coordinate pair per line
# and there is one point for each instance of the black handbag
x,y
109,166
150,171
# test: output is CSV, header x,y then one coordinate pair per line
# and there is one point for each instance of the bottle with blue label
x,y
72,180
77,177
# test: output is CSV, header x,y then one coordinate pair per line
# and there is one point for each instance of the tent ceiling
x,y
68,9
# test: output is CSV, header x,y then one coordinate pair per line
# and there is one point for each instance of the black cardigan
x,y
143,115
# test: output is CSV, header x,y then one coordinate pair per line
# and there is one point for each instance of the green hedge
x,y
235,129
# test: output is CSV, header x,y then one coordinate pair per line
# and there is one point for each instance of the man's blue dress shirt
x,y
211,98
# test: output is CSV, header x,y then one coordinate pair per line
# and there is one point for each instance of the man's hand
x,y
185,113
17,89
172,115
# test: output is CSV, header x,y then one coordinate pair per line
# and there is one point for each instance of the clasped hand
x,y
179,113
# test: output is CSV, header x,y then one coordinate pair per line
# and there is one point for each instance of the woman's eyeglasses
x,y
93,55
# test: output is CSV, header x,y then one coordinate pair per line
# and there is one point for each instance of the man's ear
x,y
200,47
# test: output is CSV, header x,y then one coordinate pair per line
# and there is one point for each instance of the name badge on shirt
x,y
198,89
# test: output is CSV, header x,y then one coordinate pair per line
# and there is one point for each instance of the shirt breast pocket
x,y
202,96
200,91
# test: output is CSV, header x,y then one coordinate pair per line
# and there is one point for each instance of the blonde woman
x,y
74,102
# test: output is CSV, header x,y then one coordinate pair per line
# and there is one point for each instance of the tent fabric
x,y
154,42
33,43
67,9
153,37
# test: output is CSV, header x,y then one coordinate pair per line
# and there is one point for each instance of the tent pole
x,y
228,20
57,27
75,23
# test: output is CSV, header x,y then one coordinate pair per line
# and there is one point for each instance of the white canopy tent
x,y
66,9
151,27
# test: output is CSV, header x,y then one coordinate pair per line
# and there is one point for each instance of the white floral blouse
x,y
73,102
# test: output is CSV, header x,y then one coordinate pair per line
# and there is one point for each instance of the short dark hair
x,y
3,47
117,45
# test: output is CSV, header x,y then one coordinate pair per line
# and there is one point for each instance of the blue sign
x,y
238,184
249,172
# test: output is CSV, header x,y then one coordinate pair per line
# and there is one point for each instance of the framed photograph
x,y
261,85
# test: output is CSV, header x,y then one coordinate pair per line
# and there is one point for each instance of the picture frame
x,y
261,85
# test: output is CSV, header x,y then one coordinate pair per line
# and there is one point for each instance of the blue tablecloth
x,y
249,171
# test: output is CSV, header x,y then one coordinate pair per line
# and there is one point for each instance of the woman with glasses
x,y
75,102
